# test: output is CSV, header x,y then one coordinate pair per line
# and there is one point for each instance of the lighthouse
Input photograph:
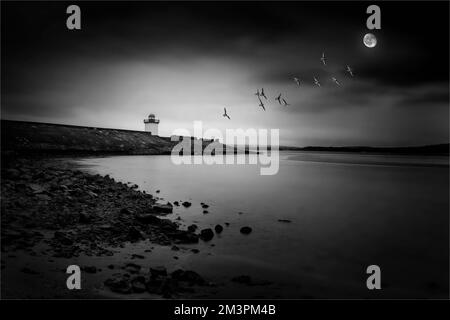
x,y
151,124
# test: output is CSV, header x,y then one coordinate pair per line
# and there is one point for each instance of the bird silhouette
x,y
285,103
261,104
316,82
278,98
263,94
225,114
323,59
297,81
335,81
349,70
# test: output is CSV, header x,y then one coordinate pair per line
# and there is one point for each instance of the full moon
x,y
370,40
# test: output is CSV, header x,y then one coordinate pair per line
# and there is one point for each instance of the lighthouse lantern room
x,y
151,124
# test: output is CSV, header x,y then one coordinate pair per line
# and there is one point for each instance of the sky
x,y
186,61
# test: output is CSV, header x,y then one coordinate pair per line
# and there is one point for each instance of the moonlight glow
x,y
370,40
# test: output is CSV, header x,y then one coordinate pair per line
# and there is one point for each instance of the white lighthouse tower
x,y
151,124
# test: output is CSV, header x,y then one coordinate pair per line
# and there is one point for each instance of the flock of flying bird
x,y
283,101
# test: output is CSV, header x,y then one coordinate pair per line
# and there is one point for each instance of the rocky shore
x,y
53,211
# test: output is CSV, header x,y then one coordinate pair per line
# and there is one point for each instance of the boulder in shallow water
x,y
186,204
206,234
218,228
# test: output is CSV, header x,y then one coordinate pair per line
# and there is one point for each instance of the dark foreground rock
x,y
85,213
157,281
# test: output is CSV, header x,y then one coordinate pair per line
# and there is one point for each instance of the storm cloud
x,y
186,61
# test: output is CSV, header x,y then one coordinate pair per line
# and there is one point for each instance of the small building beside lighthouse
x,y
151,124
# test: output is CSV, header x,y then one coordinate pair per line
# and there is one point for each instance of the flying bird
x,y
316,82
261,104
285,103
263,94
297,81
335,81
278,98
225,114
349,70
323,59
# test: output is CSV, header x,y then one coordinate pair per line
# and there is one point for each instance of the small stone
x,y
148,218
62,238
29,271
138,284
191,277
242,279
119,284
89,269
84,218
132,268
125,211
186,204
192,228
206,234
134,234
159,271
246,230
163,208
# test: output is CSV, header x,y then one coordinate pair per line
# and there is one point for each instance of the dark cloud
x,y
49,72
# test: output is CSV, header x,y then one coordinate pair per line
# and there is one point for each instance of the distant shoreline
x,y
437,149
47,139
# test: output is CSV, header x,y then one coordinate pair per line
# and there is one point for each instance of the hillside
x,y
45,138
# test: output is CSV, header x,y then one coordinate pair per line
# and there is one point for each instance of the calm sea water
x,y
347,212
